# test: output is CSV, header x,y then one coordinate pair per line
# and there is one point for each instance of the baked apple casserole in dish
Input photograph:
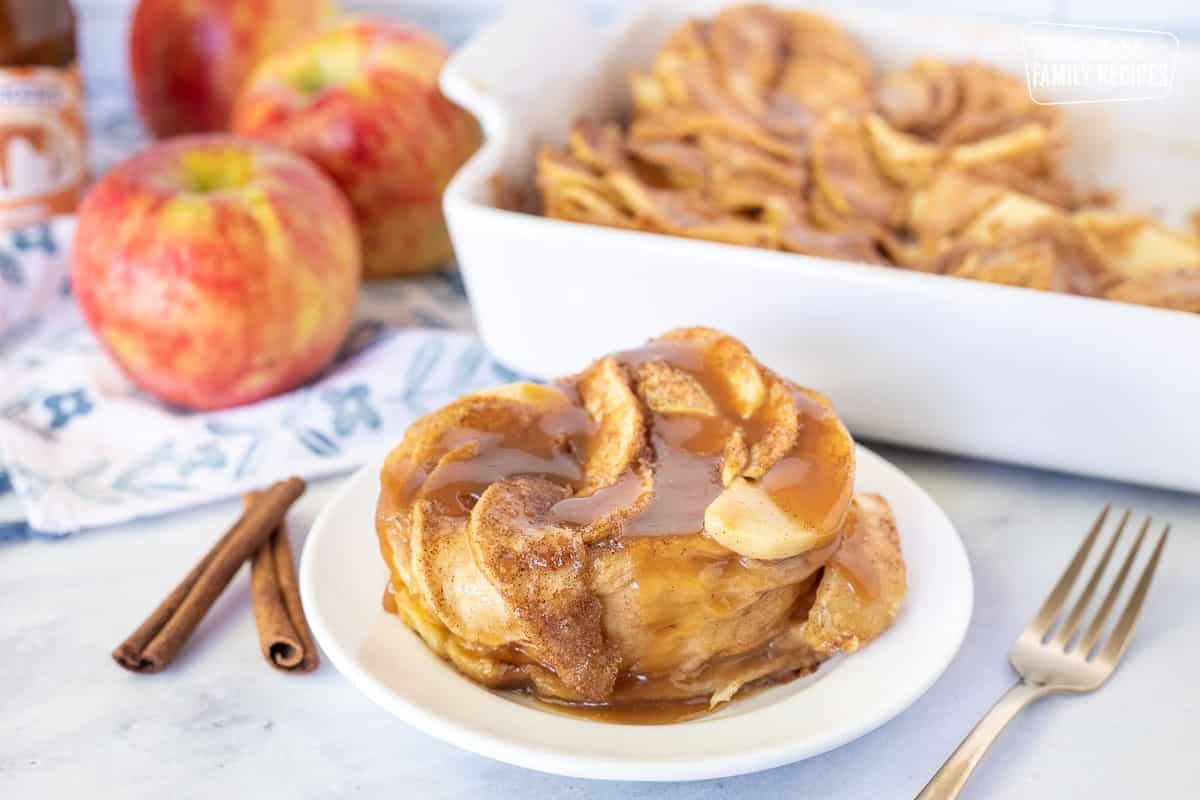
x,y
642,541
773,128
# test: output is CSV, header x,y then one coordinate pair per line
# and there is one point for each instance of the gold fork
x,y
1058,663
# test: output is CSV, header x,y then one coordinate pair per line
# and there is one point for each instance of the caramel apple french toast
x,y
672,525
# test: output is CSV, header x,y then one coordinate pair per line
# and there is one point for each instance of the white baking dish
x,y
1070,383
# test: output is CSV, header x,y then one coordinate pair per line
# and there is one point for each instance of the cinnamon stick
x,y
155,643
283,633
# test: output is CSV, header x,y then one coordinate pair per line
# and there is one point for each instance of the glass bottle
x,y
43,159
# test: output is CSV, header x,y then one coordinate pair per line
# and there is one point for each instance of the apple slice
x,y
795,493
746,520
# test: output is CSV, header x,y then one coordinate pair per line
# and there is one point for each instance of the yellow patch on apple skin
x,y
128,350
416,58
332,59
255,381
216,169
258,204
185,214
311,309
344,56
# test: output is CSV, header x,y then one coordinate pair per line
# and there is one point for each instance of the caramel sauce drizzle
x,y
389,599
686,448
473,460
687,476
589,508
853,561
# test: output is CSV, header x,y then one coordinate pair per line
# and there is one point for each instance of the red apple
x,y
361,99
189,58
217,271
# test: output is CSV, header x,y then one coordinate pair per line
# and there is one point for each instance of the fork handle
x,y
952,777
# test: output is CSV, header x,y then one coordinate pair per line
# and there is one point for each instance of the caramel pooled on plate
x,y
671,525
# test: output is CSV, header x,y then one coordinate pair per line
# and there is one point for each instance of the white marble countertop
x,y
219,722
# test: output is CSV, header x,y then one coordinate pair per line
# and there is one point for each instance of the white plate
x,y
342,578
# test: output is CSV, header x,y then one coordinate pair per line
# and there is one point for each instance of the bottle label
x,y
43,158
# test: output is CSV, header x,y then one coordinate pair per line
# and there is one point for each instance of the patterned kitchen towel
x,y
84,448
33,276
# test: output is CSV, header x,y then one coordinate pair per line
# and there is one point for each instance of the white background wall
x,y
104,22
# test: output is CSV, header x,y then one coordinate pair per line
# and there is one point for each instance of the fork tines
x,y
1050,613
